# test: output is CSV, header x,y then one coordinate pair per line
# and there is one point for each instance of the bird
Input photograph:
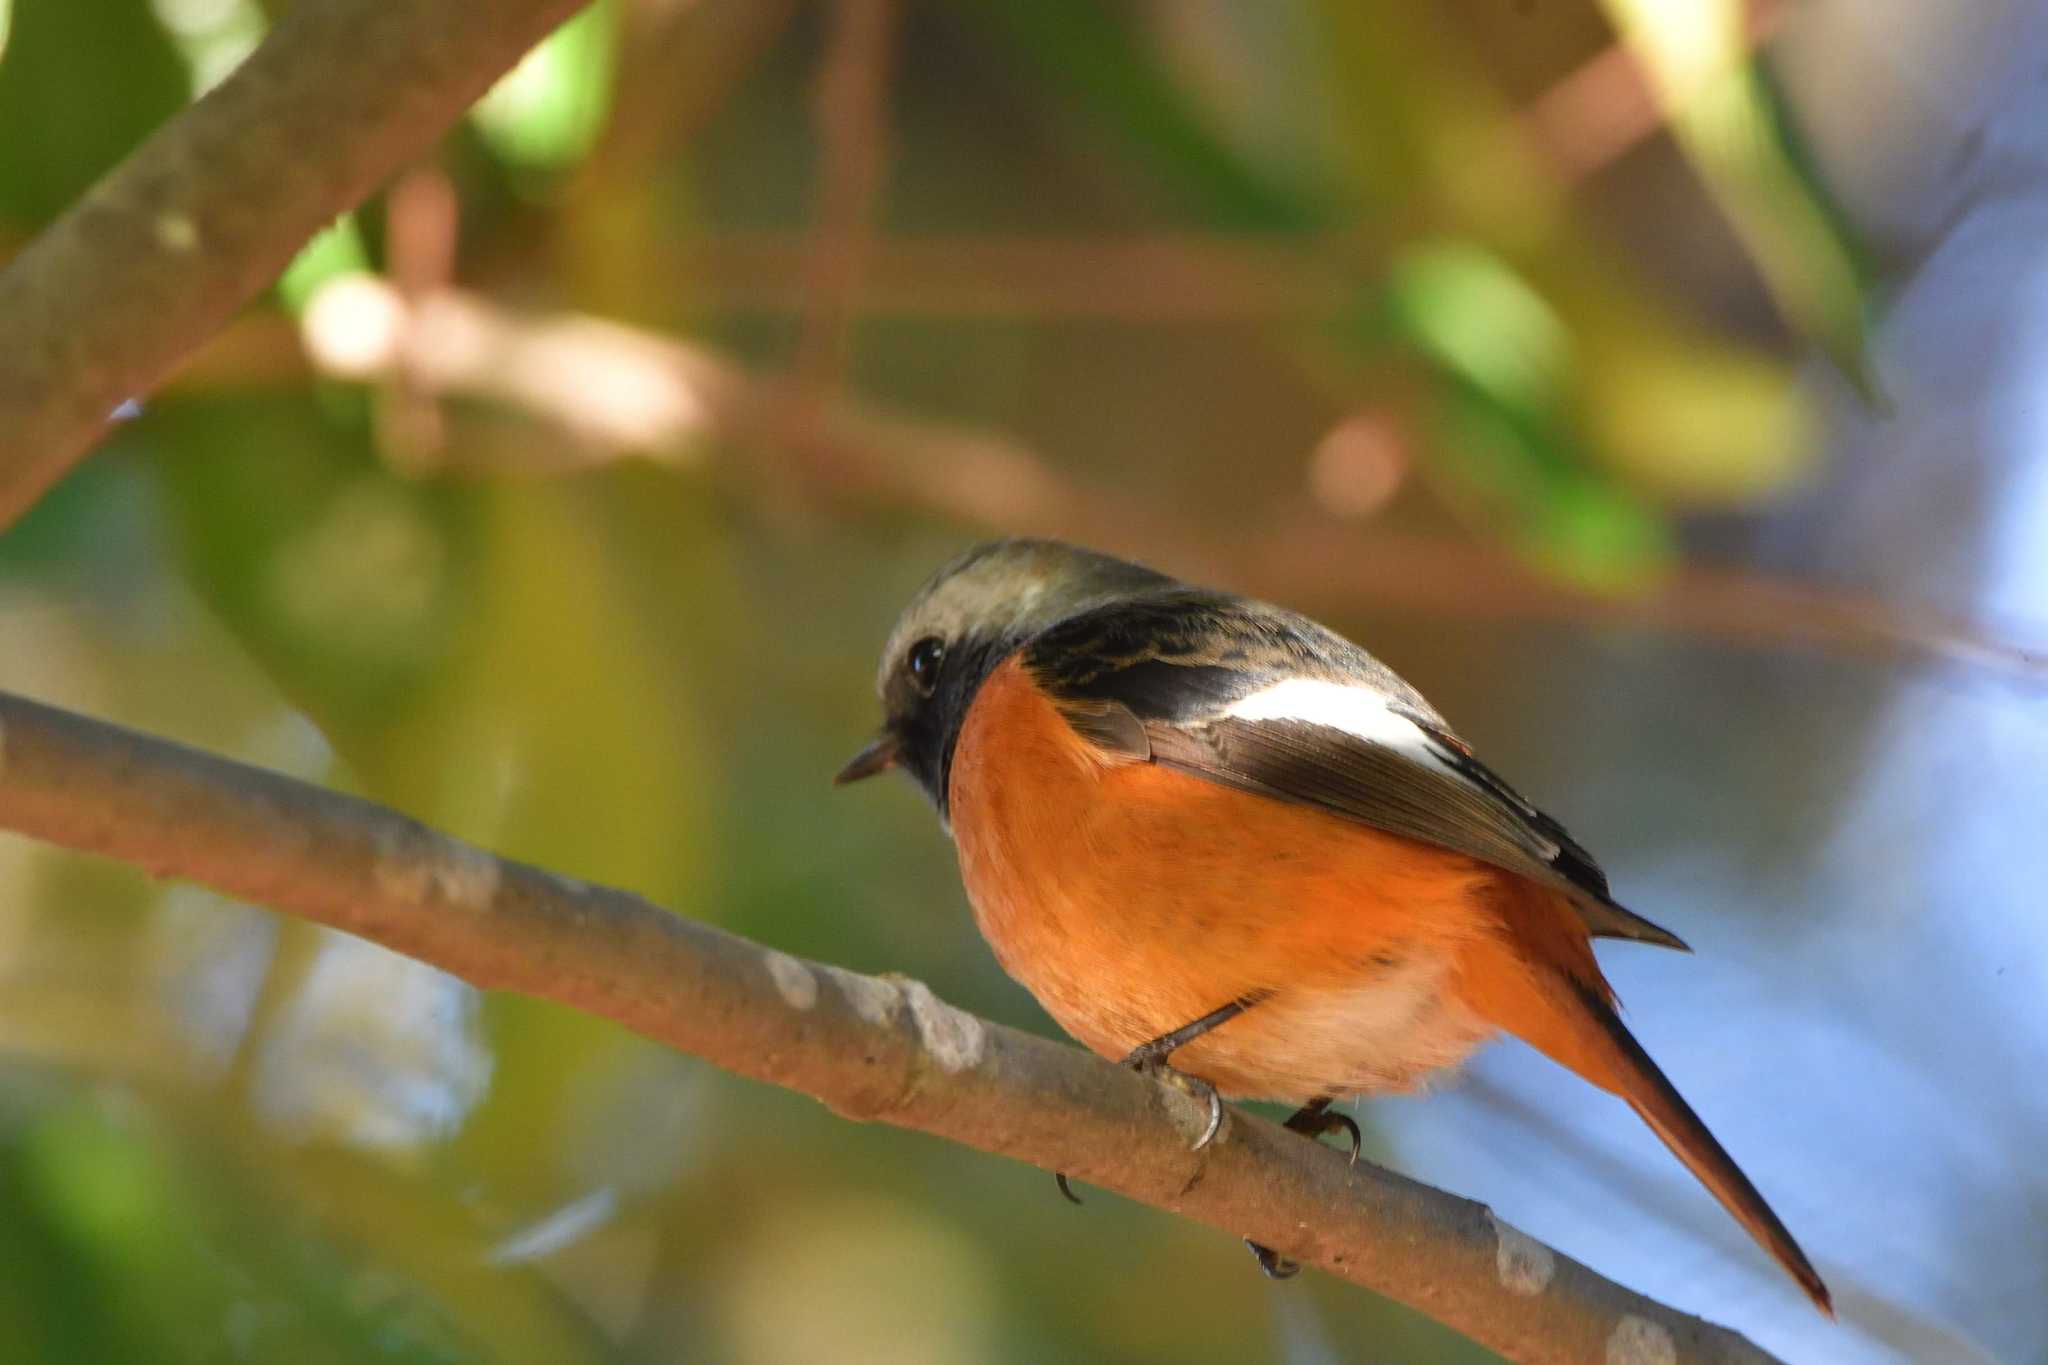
x,y
1219,842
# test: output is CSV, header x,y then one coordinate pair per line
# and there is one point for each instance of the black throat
x,y
929,730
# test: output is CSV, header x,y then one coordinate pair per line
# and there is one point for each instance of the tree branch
x,y
207,212
872,1048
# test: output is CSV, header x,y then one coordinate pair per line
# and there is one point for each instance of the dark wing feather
x,y
1154,679
1375,785
1569,856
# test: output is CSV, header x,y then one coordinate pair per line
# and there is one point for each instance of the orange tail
x,y
1552,996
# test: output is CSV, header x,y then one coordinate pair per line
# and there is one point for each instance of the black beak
x,y
879,756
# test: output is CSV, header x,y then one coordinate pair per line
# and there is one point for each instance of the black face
x,y
967,618
928,698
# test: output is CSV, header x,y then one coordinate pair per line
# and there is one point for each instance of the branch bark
x,y
206,213
872,1048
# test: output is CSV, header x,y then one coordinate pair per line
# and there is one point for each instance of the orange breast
x,y
1132,899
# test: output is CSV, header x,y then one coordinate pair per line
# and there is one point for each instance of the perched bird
x,y
1208,833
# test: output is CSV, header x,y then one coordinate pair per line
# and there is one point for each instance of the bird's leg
x,y
1150,1059
1312,1121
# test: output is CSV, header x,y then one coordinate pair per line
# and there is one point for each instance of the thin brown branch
x,y
422,225
872,1048
1152,278
850,111
617,389
622,390
202,216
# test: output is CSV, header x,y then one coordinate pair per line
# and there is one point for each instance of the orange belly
x,y
1132,899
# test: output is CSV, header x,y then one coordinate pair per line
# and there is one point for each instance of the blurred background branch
x,y
871,1048
617,392
851,110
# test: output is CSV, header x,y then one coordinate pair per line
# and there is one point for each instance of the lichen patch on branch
x,y
1638,1341
796,983
415,864
176,233
953,1038
1524,1264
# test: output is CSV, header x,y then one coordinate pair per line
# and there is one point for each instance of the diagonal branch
x,y
205,214
873,1048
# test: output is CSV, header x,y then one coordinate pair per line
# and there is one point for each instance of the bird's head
x,y
971,615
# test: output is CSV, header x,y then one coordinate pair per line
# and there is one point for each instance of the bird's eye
x,y
923,663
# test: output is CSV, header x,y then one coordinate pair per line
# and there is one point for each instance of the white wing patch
x,y
1357,711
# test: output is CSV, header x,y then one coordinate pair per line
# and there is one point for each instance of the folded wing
x,y
1266,701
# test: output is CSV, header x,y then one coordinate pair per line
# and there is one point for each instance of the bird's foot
x,y
1148,1061
1325,1122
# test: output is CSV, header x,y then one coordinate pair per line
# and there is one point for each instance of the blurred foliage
x,y
546,114
641,674
338,249
1732,124
1100,57
81,84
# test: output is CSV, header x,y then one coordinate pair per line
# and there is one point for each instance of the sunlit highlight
x,y
213,36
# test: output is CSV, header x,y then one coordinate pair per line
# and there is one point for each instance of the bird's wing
x,y
1264,700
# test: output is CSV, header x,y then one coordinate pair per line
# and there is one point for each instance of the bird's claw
x,y
1149,1064
1203,1090
1330,1121
1276,1266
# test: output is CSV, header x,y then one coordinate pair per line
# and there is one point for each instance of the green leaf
x,y
214,36
1471,313
1568,519
1731,124
81,83
546,113
1508,444
1705,426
